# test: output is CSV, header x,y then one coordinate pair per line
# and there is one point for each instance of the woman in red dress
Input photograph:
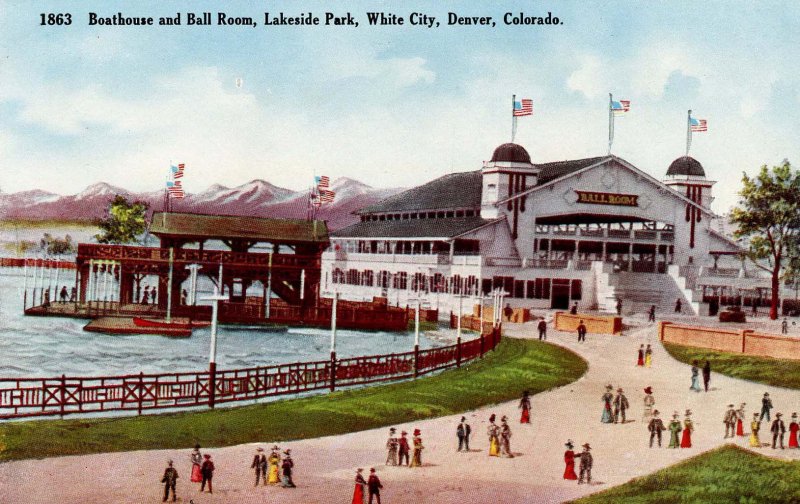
x,y
793,428
640,360
569,461
197,461
739,420
359,494
525,405
688,427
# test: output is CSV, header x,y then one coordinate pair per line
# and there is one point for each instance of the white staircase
x,y
639,291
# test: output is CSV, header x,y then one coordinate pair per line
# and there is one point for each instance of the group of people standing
x,y
499,437
777,428
586,463
272,470
656,427
614,407
399,448
645,357
696,376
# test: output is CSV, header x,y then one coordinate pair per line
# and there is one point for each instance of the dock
x,y
125,325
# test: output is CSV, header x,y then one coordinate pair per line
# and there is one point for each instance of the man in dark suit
x,y
542,326
374,486
463,431
581,331
656,427
778,430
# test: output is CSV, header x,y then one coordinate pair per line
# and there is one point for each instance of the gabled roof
x,y
187,225
552,171
456,190
414,228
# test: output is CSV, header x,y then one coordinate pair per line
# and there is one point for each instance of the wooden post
x,y
212,384
458,351
141,392
333,371
63,394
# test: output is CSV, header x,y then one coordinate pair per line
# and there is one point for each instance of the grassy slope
x,y
777,372
502,375
727,474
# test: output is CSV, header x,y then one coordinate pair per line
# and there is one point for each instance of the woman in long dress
x,y
648,356
525,405
197,460
755,426
608,398
416,458
640,360
695,378
360,492
688,428
494,437
505,438
793,428
569,462
274,462
649,402
740,420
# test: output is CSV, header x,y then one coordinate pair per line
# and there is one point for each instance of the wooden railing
x,y
31,397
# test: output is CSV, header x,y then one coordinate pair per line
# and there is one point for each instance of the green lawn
x,y
726,475
501,375
777,372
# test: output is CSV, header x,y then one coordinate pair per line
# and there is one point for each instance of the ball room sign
x,y
601,198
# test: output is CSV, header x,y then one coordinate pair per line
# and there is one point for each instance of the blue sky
x,y
391,106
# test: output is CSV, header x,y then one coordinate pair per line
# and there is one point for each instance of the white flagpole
x,y
610,122
688,132
513,118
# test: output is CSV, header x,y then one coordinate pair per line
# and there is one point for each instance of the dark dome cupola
x,y
686,166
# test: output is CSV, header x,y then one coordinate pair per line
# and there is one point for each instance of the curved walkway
x,y
325,467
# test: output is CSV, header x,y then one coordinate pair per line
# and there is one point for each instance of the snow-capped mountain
x,y
255,198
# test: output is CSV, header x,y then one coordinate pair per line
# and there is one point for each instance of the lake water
x,y
51,346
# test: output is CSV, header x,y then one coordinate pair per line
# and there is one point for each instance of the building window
x,y
542,288
401,280
352,277
338,276
368,278
576,290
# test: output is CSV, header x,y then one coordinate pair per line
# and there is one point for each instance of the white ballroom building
x,y
586,231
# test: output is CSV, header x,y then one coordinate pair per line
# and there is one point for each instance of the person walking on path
x,y
360,491
416,458
793,428
374,486
197,460
494,437
648,356
287,465
569,461
403,447
508,312
63,295
392,444
581,331
778,430
649,402
620,405
678,305
260,465
766,405
608,398
208,473
656,427
688,428
755,426
274,461
586,464
505,438
706,374
640,359
463,431
619,306
740,420
730,422
169,480
785,326
525,406
542,326
695,378
651,314
675,429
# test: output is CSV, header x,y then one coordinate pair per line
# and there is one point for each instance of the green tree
x,y
768,217
124,223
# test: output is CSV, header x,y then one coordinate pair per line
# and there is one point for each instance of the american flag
x,y
523,107
620,107
323,181
699,125
175,189
177,171
326,196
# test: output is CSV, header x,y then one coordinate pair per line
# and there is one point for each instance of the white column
x,y
333,321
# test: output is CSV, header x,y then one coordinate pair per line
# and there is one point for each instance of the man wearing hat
x,y
402,447
581,331
374,486
586,464
542,326
505,438
286,467
208,473
391,446
778,429
656,427
169,480
766,405
260,465
620,405
463,431
730,421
